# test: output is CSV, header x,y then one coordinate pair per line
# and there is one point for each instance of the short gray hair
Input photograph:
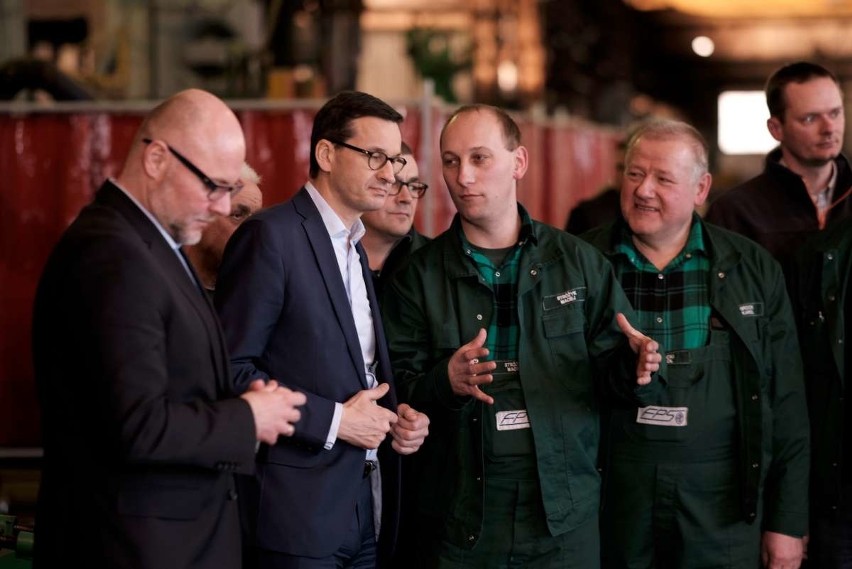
x,y
248,174
664,129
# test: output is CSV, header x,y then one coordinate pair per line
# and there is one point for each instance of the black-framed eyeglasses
x,y
376,159
214,191
416,189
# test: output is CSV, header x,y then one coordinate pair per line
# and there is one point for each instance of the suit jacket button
x,y
232,494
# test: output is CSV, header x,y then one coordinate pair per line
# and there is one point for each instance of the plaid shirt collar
x,y
694,245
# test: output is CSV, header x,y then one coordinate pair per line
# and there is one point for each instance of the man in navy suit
x,y
141,434
297,303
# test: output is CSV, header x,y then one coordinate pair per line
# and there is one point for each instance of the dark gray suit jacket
x,y
140,443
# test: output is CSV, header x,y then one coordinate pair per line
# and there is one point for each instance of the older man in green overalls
x,y
715,473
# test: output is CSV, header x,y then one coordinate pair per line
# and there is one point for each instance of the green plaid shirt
x,y
504,328
672,305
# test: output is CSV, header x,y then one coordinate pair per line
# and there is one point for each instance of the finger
x,y
482,368
650,347
414,417
402,408
416,427
479,340
296,398
626,327
377,392
402,449
408,438
481,379
477,393
256,385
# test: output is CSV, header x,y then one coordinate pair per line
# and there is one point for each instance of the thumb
x,y
408,412
628,330
378,392
402,409
479,340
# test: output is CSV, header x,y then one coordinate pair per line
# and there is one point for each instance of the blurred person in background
x,y
206,255
806,183
391,236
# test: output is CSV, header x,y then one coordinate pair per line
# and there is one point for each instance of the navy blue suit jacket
x,y
286,316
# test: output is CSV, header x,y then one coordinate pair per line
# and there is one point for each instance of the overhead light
x,y
507,76
703,46
742,123
749,8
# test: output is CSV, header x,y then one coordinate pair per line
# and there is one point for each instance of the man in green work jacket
x,y
715,472
509,326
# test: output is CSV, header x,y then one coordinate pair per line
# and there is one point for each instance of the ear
x,y
155,159
324,153
775,128
704,183
521,160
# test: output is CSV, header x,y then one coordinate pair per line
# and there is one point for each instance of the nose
x,y
466,173
385,173
645,188
221,206
404,195
833,123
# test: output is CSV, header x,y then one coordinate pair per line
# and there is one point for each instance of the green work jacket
x,y
570,352
747,291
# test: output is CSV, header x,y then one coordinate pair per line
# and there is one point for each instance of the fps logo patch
x,y
662,416
512,420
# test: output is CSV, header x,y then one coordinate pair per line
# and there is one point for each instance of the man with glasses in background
x,y
206,255
296,300
141,433
390,236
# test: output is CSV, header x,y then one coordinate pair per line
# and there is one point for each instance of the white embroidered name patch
x,y
512,420
662,416
751,309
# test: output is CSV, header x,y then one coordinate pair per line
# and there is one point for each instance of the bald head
x,y
187,143
194,120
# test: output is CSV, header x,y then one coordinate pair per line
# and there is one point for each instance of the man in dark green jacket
x,y
821,289
713,474
509,326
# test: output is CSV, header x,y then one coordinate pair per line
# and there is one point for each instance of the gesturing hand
x,y
647,350
467,373
364,423
410,430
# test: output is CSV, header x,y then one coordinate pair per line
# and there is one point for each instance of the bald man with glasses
x,y
141,432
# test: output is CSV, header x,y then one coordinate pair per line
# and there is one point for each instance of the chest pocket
x,y
565,334
564,322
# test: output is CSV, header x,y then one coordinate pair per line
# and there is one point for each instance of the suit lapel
x,y
384,372
168,260
326,260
